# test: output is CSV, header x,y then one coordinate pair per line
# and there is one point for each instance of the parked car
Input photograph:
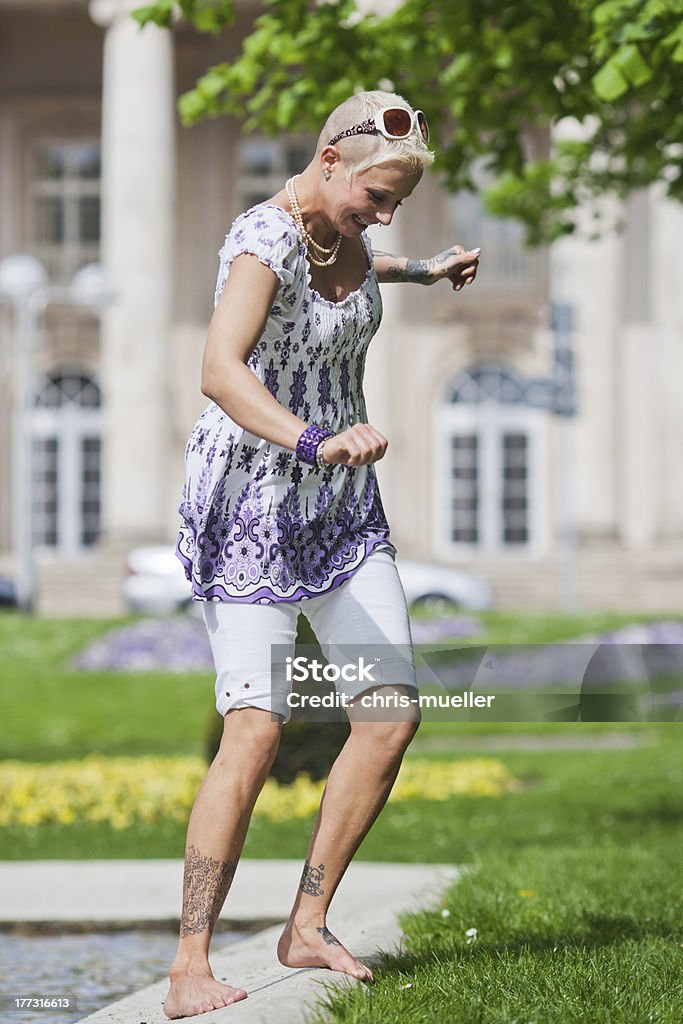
x,y
441,587
155,584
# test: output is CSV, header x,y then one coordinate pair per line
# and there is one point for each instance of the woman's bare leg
x,y
215,837
357,789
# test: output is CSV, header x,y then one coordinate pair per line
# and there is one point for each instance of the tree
x,y
494,77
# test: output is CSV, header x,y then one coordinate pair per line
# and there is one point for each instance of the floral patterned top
x,y
258,525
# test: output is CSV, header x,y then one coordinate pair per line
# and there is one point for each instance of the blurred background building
x,y
481,472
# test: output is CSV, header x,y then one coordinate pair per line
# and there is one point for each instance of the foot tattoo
x,y
328,937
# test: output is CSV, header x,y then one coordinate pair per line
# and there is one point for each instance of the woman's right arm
x,y
236,327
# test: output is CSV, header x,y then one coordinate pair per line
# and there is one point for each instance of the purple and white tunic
x,y
258,525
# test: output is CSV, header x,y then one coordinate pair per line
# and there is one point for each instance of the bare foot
x,y
192,993
310,946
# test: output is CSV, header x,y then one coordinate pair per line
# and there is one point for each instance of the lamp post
x,y
556,393
24,283
564,376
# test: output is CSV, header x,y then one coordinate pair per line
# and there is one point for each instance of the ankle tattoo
x,y
311,880
328,937
205,887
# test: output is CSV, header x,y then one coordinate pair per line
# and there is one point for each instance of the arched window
x,y
490,469
67,443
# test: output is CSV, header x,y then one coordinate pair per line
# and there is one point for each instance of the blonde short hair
x,y
362,151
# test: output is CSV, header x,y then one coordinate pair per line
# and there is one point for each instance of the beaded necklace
x,y
314,249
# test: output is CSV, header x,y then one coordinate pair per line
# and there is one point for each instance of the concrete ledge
x,y
364,915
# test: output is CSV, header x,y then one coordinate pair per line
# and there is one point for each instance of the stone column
x,y
637,441
138,172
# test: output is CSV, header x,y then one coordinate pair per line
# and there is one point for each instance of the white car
x,y
155,584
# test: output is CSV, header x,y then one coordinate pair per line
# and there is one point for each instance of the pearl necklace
x,y
314,249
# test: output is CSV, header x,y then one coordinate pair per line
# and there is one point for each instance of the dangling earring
x,y
327,174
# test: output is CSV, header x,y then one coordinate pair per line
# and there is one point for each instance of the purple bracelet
x,y
307,445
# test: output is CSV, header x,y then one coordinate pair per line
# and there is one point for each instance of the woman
x,y
281,513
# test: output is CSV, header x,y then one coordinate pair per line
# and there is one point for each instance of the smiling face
x,y
371,197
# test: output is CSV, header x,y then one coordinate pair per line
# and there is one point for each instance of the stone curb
x,y
364,914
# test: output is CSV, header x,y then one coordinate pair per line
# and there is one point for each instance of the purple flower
x,y
151,645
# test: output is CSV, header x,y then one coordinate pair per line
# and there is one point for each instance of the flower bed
x,y
126,790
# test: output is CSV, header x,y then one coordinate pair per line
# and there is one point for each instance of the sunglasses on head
x,y
392,123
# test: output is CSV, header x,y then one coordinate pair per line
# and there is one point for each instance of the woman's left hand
x,y
457,264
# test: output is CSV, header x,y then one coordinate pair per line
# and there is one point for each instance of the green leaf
x,y
207,15
608,12
158,14
191,107
286,108
609,83
453,72
214,81
675,39
631,64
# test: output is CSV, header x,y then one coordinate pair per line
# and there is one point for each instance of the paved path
x,y
363,914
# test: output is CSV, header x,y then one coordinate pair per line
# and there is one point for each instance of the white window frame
x,y
279,170
489,421
70,424
63,258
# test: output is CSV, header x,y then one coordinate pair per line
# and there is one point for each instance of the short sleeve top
x,y
257,524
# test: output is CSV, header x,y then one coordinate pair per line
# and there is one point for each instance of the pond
x,y
95,967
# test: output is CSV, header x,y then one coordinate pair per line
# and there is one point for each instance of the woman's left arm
x,y
456,264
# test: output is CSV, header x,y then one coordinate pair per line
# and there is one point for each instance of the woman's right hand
x,y
360,445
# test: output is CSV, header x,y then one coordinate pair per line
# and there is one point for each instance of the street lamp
x,y
24,283
564,375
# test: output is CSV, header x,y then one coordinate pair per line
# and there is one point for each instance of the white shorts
x,y
366,613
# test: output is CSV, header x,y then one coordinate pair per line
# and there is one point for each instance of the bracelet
x,y
307,445
319,460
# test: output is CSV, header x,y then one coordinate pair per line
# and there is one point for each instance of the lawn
x,y
52,711
570,911
574,889
575,895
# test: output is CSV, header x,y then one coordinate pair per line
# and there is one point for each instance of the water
x,y
95,967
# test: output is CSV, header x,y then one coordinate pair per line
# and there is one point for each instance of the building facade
x,y
481,472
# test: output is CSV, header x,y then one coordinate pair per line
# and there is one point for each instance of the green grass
x,y
595,836
575,892
52,711
574,883
505,627
598,943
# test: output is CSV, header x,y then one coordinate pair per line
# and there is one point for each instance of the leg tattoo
x,y
311,880
205,887
328,937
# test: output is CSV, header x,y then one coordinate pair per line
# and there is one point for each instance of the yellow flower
x,y
123,791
